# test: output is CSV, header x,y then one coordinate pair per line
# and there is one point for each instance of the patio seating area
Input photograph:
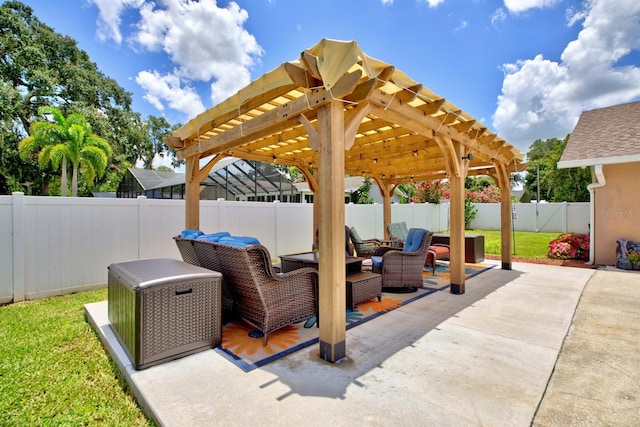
x,y
401,269
364,248
269,299
254,291
430,363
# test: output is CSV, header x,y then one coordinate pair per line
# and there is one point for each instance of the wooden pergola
x,y
337,111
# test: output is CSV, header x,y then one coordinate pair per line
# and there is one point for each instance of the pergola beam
x,y
270,121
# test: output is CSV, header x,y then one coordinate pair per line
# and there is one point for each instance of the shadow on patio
x,y
484,357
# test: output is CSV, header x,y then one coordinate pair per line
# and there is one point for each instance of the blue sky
x,y
524,68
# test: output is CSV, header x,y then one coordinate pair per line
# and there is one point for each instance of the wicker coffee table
x,y
309,259
363,286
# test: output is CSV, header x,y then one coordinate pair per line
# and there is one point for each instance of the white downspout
x,y
597,175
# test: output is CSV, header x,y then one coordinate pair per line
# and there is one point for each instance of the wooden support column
x,y
504,182
192,194
386,190
456,238
332,296
456,169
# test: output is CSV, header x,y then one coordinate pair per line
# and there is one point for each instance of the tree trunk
x,y
63,179
74,181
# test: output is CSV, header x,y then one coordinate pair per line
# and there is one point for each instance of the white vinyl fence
x,y
57,245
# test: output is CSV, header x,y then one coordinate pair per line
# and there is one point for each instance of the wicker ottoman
x,y
163,309
363,286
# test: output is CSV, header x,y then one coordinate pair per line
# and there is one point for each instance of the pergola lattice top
x,y
396,130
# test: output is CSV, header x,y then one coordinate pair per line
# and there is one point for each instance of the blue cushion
x,y
190,234
414,239
239,241
376,262
214,237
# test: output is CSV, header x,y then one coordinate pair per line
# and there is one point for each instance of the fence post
x,y
19,249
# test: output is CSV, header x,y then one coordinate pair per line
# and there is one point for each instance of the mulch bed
x,y
580,263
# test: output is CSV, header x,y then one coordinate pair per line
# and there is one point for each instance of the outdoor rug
x,y
242,344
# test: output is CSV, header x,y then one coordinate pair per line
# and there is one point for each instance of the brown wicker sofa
x,y
261,297
401,269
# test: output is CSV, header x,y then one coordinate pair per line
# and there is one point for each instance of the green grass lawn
x,y
527,245
54,370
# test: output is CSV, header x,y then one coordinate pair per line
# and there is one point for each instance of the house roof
x,y
401,131
152,179
604,136
239,176
351,183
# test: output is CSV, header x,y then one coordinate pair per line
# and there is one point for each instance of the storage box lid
x,y
149,272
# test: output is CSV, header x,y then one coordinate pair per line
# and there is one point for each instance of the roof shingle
x,y
604,135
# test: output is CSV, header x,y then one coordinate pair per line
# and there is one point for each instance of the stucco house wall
x,y
616,210
607,140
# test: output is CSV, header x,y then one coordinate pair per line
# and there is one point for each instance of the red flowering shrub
x,y
488,194
569,246
431,191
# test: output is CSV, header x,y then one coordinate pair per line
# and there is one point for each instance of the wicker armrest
x,y
384,249
376,242
297,272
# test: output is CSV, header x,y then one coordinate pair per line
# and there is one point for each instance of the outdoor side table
x,y
363,286
164,309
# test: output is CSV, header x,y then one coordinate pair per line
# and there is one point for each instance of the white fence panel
x,y
293,229
54,245
541,217
422,215
159,221
367,219
578,217
69,242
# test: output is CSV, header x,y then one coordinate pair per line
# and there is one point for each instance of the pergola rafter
x,y
337,111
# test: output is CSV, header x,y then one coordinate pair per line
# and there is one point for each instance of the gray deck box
x,y
163,309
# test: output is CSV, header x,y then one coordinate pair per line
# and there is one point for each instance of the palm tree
x,y
63,140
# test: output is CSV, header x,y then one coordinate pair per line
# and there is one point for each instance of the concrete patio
x,y
482,358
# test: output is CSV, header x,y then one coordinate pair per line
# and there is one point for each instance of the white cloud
x,y
169,89
543,99
518,6
205,43
462,26
109,18
498,16
434,3
386,2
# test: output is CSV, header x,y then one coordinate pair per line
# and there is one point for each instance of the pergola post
x,y
386,190
456,237
332,293
504,182
192,194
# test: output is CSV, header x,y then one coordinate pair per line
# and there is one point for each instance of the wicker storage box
x,y
163,309
363,286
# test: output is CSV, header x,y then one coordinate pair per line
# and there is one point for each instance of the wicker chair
x,y
364,248
185,246
262,298
397,232
188,252
349,248
401,269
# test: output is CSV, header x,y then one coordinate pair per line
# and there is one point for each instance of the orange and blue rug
x,y
242,344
